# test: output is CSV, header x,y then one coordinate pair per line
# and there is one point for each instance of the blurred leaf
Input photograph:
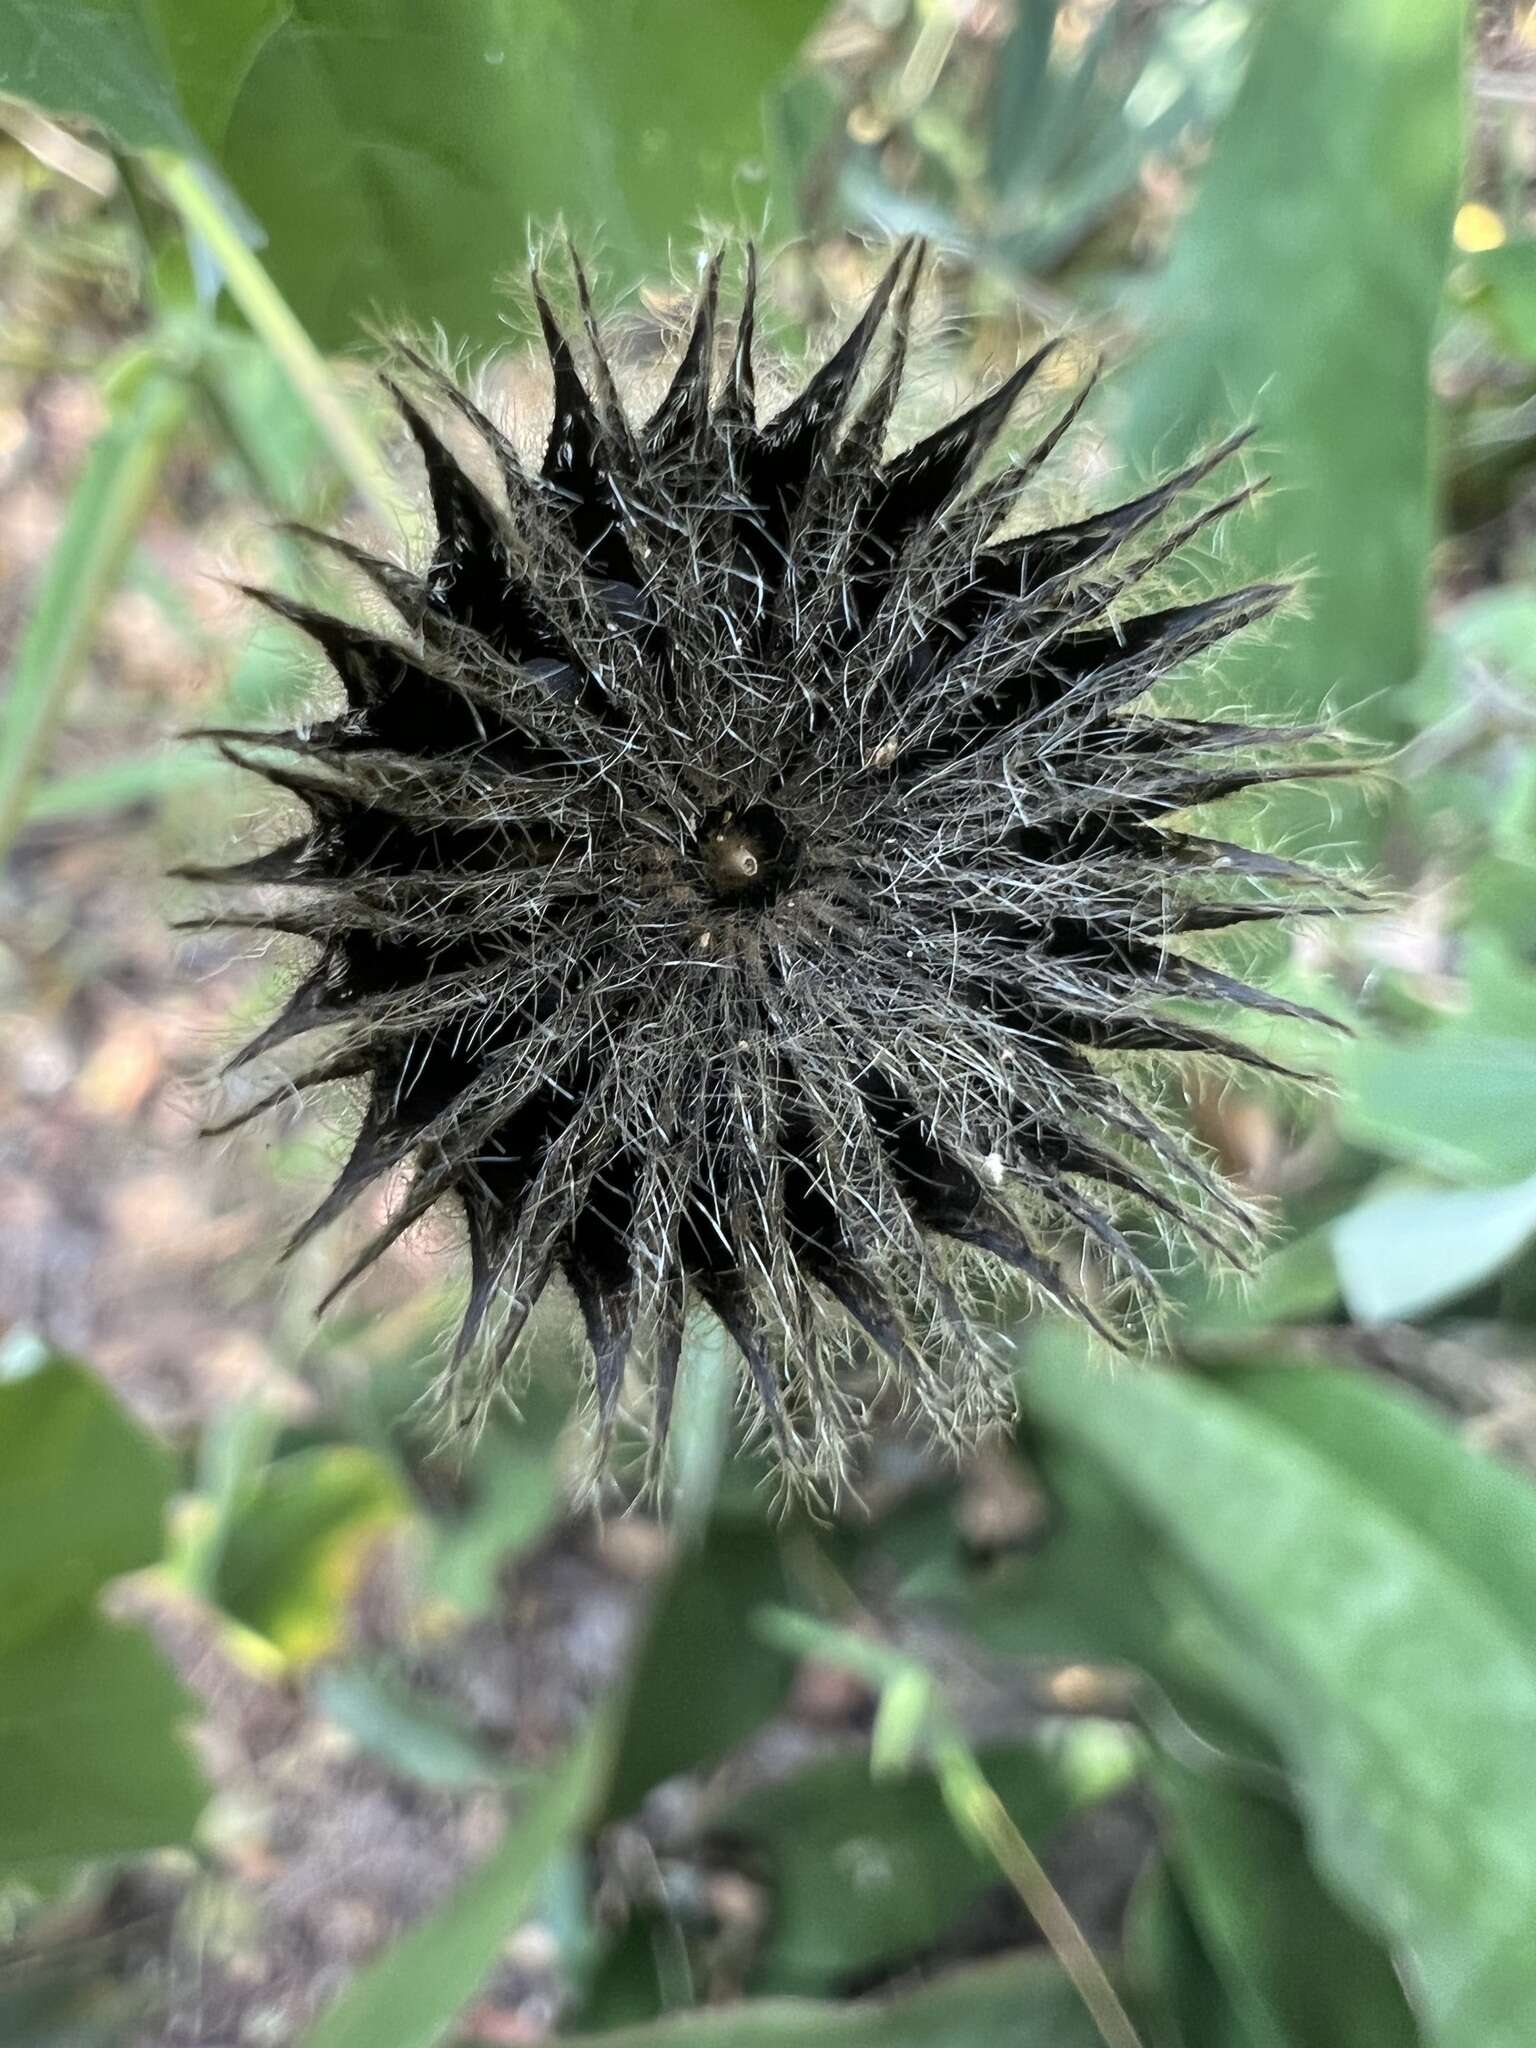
x,y
1074,119
1409,1249
865,1871
1392,1680
1476,1512
1013,2002
106,509
1457,1101
82,1496
414,1734
211,50
1304,289
411,1996
703,1679
1501,285
1177,1996
96,58
92,1761
1296,1282
1297,1971
297,1541
518,1493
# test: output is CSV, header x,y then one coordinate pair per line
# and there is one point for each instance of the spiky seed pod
x,y
741,875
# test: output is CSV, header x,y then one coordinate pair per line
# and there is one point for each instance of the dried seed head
x,y
740,874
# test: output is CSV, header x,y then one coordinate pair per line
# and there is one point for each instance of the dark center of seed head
x,y
746,853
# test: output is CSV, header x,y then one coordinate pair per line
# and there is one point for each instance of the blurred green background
x,y
1200,1715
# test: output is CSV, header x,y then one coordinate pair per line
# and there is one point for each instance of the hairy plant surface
x,y
742,876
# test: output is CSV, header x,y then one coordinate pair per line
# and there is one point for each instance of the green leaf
x,y
412,1732
1014,2002
410,1997
82,1497
98,59
1459,1102
1476,1512
864,1871
296,1542
210,51
92,1761
1297,1970
106,509
1177,1996
1402,1698
443,133
703,1679
1304,290
1501,284
396,156
1405,1250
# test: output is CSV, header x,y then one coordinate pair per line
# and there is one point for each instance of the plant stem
x,y
204,214
701,1427
978,1812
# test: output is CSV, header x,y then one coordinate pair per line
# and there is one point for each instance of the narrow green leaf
x,y
412,1732
106,510
411,1996
1392,1681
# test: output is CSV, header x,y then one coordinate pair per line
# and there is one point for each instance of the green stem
x,y
270,316
978,1812
701,1428
106,511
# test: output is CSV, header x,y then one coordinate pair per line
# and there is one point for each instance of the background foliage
x,y
1203,1713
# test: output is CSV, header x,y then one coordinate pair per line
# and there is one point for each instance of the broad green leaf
x,y
210,51
864,1871
1014,2002
1391,1679
92,1757
1304,290
82,1497
1460,1102
98,59
703,1678
1296,1969
411,1996
397,156
1478,1513
295,1544
1405,1250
